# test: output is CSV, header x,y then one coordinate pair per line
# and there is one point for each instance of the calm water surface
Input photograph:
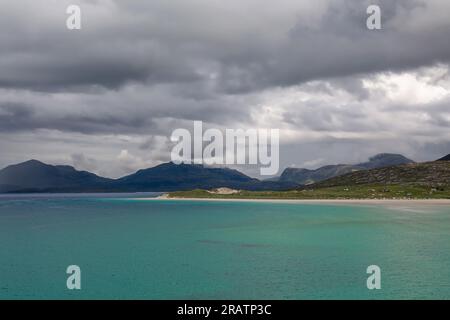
x,y
163,249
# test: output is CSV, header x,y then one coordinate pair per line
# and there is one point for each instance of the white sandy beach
x,y
384,202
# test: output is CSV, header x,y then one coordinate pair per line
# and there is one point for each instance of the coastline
x,y
391,202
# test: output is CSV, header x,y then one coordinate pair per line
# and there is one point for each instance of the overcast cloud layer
x,y
106,98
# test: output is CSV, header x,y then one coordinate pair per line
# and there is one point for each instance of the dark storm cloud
x,y
341,45
144,68
132,110
178,41
20,117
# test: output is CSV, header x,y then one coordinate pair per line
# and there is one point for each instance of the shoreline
x,y
434,202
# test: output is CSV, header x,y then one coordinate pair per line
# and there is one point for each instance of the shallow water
x,y
169,249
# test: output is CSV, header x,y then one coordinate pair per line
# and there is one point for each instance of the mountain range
x,y
172,177
35,176
305,176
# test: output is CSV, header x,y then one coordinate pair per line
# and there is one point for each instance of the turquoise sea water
x,y
161,249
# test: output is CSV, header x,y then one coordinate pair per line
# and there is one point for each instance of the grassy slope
x,y
341,192
429,174
417,181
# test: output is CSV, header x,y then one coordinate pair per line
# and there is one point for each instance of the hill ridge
x,y
307,176
429,174
36,176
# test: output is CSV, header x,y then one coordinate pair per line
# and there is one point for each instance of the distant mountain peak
x,y
384,160
446,158
382,156
36,176
31,162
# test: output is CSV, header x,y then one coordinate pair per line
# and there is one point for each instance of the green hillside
x,y
429,180
428,174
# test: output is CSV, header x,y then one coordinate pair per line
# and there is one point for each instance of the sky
x,y
106,98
